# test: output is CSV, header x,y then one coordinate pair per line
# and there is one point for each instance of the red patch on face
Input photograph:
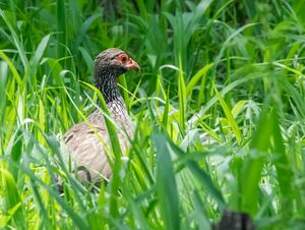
x,y
128,62
123,58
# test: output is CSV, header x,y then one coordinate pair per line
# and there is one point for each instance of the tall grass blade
x,y
229,117
166,184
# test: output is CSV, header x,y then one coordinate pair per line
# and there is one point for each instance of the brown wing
x,y
86,145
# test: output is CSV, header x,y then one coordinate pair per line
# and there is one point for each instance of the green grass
x,y
219,106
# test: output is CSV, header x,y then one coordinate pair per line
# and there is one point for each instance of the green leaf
x,y
253,164
282,165
166,183
11,67
197,77
229,116
40,51
12,196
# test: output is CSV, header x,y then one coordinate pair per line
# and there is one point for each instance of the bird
x,y
86,143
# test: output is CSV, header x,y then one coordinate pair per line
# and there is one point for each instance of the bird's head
x,y
109,65
114,62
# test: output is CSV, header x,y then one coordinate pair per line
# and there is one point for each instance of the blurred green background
x,y
219,107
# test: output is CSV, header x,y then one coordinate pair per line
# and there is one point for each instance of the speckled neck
x,y
106,82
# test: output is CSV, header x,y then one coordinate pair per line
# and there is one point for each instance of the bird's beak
x,y
132,65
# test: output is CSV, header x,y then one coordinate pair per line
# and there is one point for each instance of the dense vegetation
x,y
219,107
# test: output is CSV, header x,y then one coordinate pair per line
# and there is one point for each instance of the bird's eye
x,y
123,58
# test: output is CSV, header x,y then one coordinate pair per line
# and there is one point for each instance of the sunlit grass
x,y
218,105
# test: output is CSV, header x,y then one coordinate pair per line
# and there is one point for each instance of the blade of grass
x,y
166,184
229,117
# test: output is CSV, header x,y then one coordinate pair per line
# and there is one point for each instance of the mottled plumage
x,y
86,143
